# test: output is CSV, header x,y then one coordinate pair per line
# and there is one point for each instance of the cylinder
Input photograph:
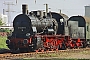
x,y
24,9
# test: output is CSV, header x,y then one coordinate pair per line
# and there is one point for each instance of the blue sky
x,y
68,7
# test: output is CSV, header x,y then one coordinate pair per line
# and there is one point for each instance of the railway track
x,y
41,54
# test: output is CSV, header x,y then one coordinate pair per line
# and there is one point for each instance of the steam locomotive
x,y
41,31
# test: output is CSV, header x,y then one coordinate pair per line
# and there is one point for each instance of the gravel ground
x,y
56,56
63,55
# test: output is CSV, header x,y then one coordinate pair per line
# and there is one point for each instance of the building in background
x,y
87,11
4,19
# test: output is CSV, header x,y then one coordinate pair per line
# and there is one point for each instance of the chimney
x,y
3,11
24,9
60,11
87,11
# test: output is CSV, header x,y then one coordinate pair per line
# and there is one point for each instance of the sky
x,y
68,7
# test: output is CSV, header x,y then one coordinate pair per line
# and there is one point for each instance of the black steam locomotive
x,y
38,30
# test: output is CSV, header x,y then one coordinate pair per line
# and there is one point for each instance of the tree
x,y
1,23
